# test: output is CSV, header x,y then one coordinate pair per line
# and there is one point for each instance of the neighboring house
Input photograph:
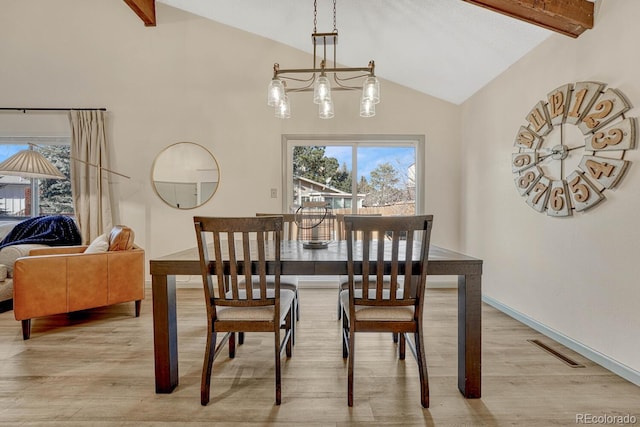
x,y
14,195
307,190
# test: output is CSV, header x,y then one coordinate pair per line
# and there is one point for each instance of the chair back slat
x,y
386,242
242,241
290,228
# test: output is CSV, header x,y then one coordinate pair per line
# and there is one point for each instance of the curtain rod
x,y
50,109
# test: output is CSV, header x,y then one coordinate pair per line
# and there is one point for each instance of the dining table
x,y
295,259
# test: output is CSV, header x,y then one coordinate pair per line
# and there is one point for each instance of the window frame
x,y
24,140
289,141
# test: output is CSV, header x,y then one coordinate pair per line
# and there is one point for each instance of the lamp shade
x,y
30,164
283,108
275,92
325,109
321,90
367,107
371,89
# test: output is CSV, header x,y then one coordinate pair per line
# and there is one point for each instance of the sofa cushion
x,y
99,244
9,254
6,227
121,238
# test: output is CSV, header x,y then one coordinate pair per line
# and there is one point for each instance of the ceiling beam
x,y
568,17
145,9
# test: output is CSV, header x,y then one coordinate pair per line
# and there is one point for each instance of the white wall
x,y
579,276
190,79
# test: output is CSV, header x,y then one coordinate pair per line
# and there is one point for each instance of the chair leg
x,y
205,384
352,345
289,328
395,337
26,329
138,306
422,368
402,346
232,345
294,313
278,367
297,306
240,338
345,336
339,304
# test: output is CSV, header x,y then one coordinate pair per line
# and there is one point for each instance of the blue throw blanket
x,y
52,230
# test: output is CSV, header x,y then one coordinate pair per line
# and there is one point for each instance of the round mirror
x,y
185,175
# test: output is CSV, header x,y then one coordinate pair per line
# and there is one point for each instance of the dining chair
x,y
386,243
343,281
235,306
289,232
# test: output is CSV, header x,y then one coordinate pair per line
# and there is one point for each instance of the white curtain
x,y
89,184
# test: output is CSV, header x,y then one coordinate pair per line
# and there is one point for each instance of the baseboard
x,y
606,362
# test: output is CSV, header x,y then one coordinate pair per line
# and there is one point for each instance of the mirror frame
x,y
167,149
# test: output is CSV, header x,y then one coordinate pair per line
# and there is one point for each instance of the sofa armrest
x,y
62,283
58,250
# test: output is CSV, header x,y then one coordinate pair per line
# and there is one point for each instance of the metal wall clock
x,y
559,169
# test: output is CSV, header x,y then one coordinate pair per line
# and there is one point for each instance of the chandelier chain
x,y
315,15
335,29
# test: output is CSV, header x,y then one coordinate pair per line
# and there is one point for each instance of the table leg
x,y
165,332
469,334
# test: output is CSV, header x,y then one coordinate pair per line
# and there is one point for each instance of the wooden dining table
x,y
331,261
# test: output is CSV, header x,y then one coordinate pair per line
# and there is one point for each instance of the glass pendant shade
x,y
325,109
275,92
283,108
367,107
371,89
321,90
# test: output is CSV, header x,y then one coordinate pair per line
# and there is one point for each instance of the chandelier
x,y
318,79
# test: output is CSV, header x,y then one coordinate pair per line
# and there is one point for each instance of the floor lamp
x,y
30,164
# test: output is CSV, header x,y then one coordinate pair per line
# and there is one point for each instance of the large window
x,y
355,174
22,197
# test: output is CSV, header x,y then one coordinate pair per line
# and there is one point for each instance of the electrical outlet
x,y
274,193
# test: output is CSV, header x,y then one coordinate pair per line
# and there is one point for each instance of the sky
x,y
9,150
370,157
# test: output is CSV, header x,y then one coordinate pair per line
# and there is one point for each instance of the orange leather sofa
x,y
64,279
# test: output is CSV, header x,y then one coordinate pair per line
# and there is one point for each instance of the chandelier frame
x,y
315,79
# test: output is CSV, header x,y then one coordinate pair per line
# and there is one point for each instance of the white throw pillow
x,y
99,244
4,271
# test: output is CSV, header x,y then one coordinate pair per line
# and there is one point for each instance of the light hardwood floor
x,y
96,368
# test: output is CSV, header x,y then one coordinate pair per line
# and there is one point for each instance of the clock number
x,y
522,160
556,104
597,169
575,111
539,188
526,179
619,136
583,194
526,138
536,119
557,199
604,170
600,141
580,190
602,110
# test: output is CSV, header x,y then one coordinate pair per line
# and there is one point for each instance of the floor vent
x,y
565,359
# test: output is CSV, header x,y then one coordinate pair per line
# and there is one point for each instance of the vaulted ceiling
x,y
445,48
